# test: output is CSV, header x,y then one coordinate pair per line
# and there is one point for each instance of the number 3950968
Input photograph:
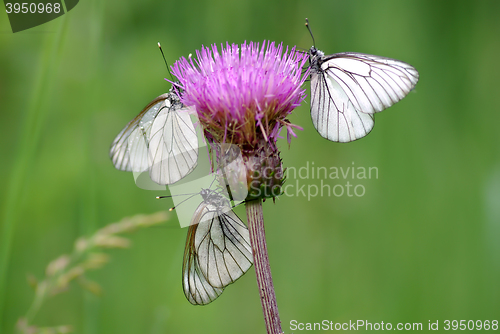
x,y
470,325
32,8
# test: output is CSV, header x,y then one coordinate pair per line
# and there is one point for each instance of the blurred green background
x,y
422,244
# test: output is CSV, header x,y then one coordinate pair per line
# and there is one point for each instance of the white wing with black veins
x,y
348,88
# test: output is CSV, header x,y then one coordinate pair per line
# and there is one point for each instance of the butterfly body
x,y
315,58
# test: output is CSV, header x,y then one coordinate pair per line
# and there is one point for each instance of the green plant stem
x,y
262,268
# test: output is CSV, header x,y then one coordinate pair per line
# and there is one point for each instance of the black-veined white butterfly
x,y
161,140
217,252
348,88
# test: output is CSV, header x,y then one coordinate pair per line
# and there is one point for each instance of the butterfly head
x,y
315,57
174,100
213,197
209,195
205,193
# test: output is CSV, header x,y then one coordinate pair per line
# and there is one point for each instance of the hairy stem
x,y
262,267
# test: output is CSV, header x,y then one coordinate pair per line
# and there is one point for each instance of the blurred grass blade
x,y
32,123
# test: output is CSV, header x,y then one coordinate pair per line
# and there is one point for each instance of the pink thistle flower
x,y
241,93
243,96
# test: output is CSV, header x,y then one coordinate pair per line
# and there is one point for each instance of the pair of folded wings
x,y
348,88
161,139
217,252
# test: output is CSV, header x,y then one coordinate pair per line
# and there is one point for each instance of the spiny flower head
x,y
242,96
244,93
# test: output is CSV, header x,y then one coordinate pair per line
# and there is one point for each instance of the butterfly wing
x,y
348,88
173,145
223,245
196,287
218,252
333,114
129,151
161,139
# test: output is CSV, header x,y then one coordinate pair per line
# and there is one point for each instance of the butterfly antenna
x,y
165,59
309,28
170,196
